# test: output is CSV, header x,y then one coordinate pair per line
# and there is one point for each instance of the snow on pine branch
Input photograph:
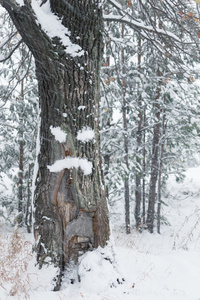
x,y
52,25
141,25
72,162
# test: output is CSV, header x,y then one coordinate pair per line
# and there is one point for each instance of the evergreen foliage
x,y
18,122
161,92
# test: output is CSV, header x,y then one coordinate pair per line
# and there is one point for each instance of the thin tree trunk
x,y
138,188
125,130
155,153
144,171
107,155
162,144
20,182
155,158
28,213
21,152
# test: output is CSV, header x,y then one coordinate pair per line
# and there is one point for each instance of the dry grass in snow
x,y
15,255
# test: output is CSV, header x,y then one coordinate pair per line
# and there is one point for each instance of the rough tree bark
x,y
71,214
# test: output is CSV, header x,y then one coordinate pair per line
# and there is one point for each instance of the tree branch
x,y
10,4
8,40
135,24
12,51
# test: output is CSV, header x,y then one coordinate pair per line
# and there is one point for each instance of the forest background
x,y
149,109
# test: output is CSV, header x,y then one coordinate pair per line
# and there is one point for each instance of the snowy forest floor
x,y
155,267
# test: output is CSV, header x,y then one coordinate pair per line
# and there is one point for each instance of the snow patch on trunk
x,y
59,134
81,107
20,2
86,134
72,162
52,25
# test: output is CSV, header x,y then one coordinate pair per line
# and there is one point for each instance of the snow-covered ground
x,y
148,267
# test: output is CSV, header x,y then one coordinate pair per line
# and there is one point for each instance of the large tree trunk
x,y
71,214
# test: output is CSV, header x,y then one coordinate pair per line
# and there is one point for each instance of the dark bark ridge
x,y
71,213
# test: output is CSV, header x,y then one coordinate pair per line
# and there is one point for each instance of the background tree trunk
x,y
155,159
125,130
138,175
71,214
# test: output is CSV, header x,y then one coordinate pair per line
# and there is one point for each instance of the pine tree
x,y
18,121
150,28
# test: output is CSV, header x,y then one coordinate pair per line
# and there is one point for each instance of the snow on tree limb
x,y
135,24
53,27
